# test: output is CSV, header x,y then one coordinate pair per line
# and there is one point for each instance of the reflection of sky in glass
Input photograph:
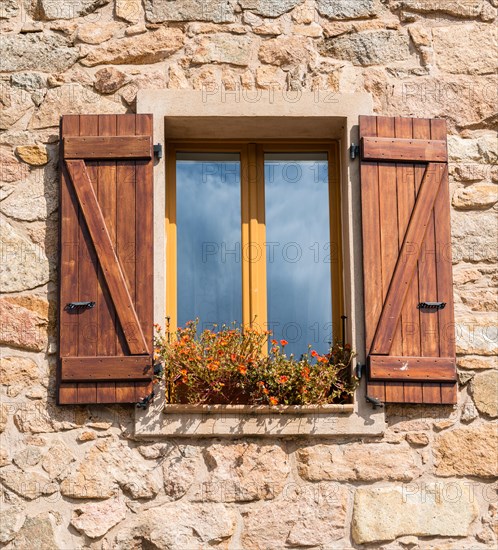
x,y
208,229
298,262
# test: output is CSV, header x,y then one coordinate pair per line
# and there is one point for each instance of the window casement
x,y
264,218
395,230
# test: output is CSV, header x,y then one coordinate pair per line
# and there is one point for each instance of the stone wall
x,y
76,477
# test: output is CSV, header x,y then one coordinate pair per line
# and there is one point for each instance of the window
x,y
253,237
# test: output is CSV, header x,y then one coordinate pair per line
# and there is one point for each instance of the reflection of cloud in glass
x,y
297,220
208,229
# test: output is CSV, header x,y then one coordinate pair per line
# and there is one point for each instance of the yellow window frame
x,y
253,230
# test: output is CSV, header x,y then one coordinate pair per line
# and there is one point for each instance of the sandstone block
x,y
309,516
9,8
243,472
220,48
47,52
274,8
477,363
36,155
109,80
16,105
95,519
11,170
345,9
459,50
468,452
57,460
358,462
179,471
159,11
146,48
108,465
22,328
284,51
129,10
462,101
48,9
369,48
269,77
484,388
39,529
479,9
475,197
17,373
385,513
188,525
72,99
27,457
473,239
96,33
28,81
419,439
12,521
29,485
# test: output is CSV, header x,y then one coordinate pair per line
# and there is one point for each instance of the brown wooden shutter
x,y
105,350
407,260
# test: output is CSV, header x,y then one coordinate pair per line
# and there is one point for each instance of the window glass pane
x,y
208,233
298,251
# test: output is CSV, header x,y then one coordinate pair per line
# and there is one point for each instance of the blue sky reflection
x,y
298,251
209,235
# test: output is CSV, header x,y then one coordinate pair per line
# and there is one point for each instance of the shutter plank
x,y
400,369
371,236
442,229
106,368
106,147
407,260
389,239
412,368
126,225
108,322
87,266
69,238
429,338
409,150
144,252
107,257
98,384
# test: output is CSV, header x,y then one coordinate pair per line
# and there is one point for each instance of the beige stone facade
x,y
80,477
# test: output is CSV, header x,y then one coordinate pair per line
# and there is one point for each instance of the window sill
x,y
163,421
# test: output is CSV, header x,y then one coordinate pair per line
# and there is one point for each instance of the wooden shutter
x,y
407,260
105,351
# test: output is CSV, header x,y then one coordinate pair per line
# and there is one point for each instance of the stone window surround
x,y
264,114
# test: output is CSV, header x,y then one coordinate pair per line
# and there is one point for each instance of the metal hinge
x,y
158,151
374,401
354,151
145,401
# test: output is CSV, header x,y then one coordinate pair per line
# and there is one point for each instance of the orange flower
x,y
306,373
274,342
283,379
322,359
273,401
242,369
314,354
233,357
184,372
283,342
